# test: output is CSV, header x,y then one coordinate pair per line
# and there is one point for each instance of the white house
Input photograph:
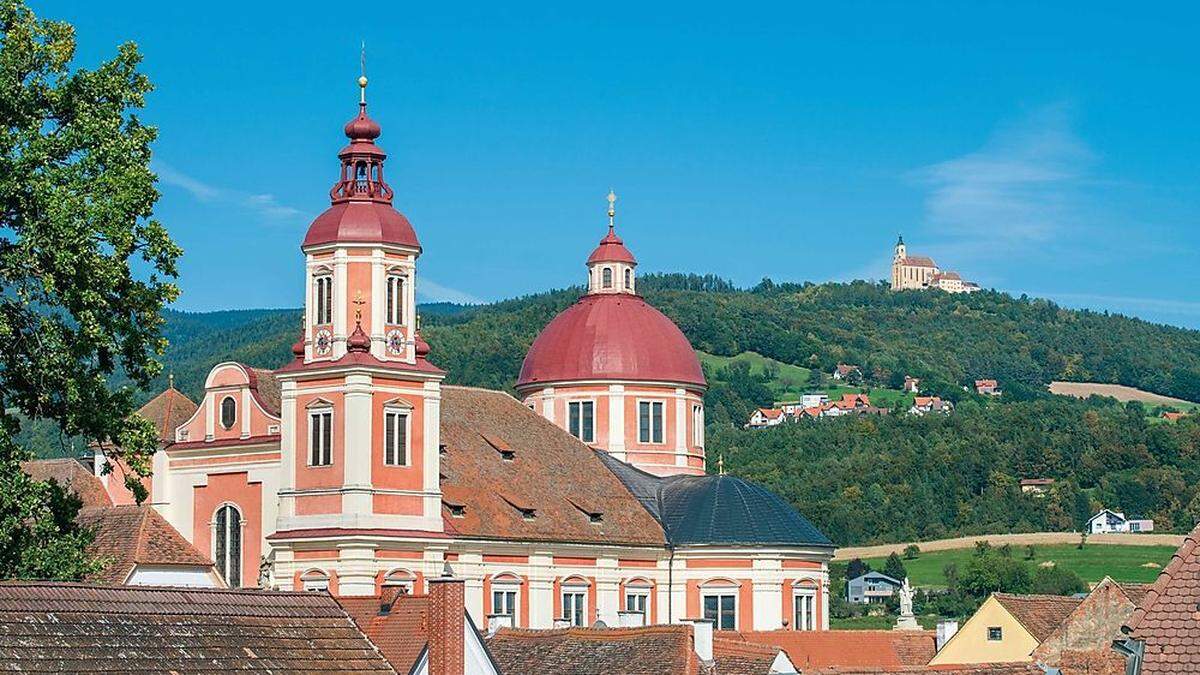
x,y
765,417
929,404
814,400
1112,521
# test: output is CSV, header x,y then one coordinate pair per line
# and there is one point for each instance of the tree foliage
x,y
84,273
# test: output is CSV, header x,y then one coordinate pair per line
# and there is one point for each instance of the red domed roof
x,y
611,336
354,221
611,249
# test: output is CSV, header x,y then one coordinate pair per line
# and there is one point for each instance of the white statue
x,y
906,620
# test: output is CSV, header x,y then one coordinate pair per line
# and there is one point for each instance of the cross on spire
x,y
362,77
358,302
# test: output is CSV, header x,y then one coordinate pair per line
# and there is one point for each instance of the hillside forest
x,y
860,479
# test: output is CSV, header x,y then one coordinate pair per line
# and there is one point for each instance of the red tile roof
x,y
738,657
611,249
770,413
918,261
477,477
61,627
168,411
73,476
401,634
847,648
650,650
136,535
1168,621
1039,614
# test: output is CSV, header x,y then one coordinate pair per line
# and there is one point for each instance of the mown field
x,y
789,382
1092,563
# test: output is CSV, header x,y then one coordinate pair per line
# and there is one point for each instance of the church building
x,y
355,469
918,272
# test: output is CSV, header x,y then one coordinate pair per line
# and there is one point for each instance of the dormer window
x,y
228,412
456,510
507,453
324,298
395,299
606,277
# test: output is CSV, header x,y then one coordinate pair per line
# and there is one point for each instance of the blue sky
x,y
1045,150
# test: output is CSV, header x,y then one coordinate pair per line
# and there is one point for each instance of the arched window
x,y
314,580
395,299
228,412
402,579
628,278
227,544
606,275
324,298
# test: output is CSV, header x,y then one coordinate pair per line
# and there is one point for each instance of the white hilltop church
x,y
919,271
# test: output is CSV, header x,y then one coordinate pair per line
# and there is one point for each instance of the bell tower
x,y
360,404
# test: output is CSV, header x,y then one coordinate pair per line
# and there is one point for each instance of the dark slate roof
x,y
697,510
72,628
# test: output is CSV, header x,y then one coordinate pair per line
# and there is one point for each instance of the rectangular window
x,y
635,601
504,602
806,611
320,438
324,299
581,420
698,426
995,633
573,607
395,299
650,421
395,438
721,610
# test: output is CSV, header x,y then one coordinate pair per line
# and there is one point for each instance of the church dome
x,y
361,221
611,337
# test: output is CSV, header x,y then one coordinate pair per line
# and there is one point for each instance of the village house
x,y
762,418
987,387
1107,521
872,587
1172,416
847,372
1006,629
814,399
1088,632
912,385
929,404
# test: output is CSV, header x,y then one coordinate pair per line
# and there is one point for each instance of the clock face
x,y
324,342
395,342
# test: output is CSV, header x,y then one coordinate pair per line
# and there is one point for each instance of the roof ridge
x,y
1164,578
19,583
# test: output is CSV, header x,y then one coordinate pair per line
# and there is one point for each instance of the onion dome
x,y
358,340
361,210
611,337
422,347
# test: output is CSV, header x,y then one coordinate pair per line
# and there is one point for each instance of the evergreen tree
x,y
84,274
894,567
856,568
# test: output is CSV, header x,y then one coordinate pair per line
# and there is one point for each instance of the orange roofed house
x,y
354,469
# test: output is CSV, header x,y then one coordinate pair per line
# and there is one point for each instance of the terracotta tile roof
x,y
265,388
986,383
62,627
770,413
918,261
473,473
168,411
650,650
960,669
1167,620
847,648
401,634
73,476
1091,662
738,657
1039,614
134,535
1135,592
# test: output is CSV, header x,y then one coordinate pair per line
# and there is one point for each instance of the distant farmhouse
x,y
917,272
1114,521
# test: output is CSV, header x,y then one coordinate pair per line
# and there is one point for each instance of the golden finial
x,y
359,302
362,78
612,207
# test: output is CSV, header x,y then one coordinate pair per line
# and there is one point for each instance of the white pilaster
x,y
244,412
608,590
341,301
210,421
680,427
356,570
548,403
616,420
287,446
541,590
432,456
378,303
356,445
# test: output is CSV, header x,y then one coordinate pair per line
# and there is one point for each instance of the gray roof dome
x,y
696,510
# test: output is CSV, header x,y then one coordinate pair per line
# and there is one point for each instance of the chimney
x,y
702,637
945,631
447,626
631,619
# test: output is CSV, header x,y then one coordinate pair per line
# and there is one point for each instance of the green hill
x,y
862,480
